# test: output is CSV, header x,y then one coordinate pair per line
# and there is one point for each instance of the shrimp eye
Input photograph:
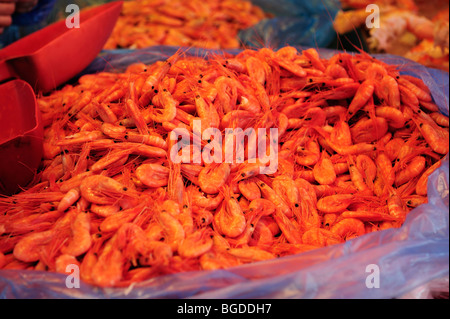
x,y
125,189
243,174
296,205
185,206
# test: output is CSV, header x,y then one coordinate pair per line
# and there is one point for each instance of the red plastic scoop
x,y
45,59
51,56
21,136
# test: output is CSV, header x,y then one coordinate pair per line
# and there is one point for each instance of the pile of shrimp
x,y
356,143
403,30
212,24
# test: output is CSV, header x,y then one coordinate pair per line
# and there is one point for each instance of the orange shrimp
x,y
213,260
230,218
108,268
393,147
199,199
269,194
213,177
324,172
79,138
414,168
262,235
80,241
440,119
437,137
367,166
368,130
196,244
30,247
393,116
320,237
169,105
367,215
114,221
309,155
63,261
287,227
69,199
357,176
113,159
362,96
136,115
348,228
172,228
396,208
389,91
419,92
255,70
422,183
153,175
415,200
249,189
385,169
335,203
102,190
104,210
154,78
250,254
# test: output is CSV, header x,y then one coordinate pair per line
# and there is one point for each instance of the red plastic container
x,y
53,55
40,63
21,136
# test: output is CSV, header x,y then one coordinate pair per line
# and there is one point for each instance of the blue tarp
x,y
405,258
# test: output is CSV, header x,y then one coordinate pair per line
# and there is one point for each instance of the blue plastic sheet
x,y
295,22
405,258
